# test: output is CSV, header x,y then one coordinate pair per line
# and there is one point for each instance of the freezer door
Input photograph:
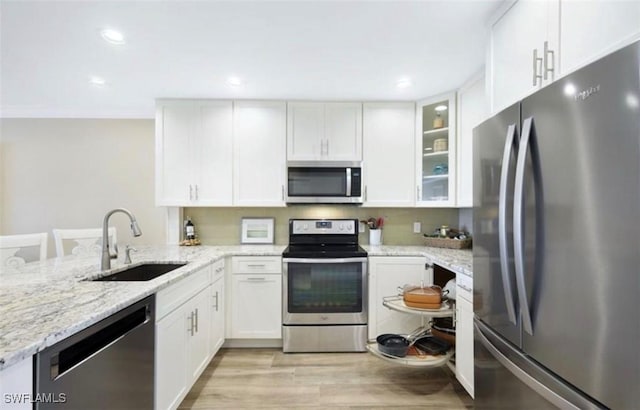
x,y
495,148
581,270
507,379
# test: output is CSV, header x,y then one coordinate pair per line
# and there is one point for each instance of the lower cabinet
x,y
386,274
256,297
189,331
464,332
16,385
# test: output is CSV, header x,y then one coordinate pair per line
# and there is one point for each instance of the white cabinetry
x,y
472,110
464,332
218,308
324,131
183,317
386,274
592,29
389,146
256,297
436,151
259,130
16,385
193,153
535,42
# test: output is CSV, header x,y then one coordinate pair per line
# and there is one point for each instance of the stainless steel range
x,y
325,287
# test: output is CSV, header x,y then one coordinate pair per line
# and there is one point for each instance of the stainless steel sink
x,y
144,272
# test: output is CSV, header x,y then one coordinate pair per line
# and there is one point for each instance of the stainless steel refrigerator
x,y
556,257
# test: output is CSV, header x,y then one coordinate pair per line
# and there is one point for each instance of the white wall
x,y
67,173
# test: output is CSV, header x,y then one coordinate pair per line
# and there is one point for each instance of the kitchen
x,y
84,148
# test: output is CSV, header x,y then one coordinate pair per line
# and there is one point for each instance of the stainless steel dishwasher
x,y
109,365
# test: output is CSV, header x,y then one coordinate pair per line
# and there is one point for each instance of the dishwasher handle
x,y
74,354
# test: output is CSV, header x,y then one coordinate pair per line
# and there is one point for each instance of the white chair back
x,y
14,250
87,242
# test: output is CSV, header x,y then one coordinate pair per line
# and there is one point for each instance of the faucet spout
x,y
135,229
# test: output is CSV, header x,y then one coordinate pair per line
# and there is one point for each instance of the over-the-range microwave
x,y
324,182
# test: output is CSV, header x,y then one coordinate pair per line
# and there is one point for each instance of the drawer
x,y
256,264
217,270
170,298
464,287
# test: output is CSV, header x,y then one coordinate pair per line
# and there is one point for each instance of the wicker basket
x,y
448,243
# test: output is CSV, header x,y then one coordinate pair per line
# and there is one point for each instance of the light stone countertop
x,y
45,302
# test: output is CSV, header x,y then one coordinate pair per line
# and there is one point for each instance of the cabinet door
x,y
464,343
171,359
591,29
199,318
523,28
174,130
388,135
212,150
386,274
472,110
16,380
260,163
257,307
305,131
217,316
436,151
343,132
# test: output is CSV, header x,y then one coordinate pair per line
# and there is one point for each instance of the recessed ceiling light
x,y
440,108
112,36
98,81
404,83
235,81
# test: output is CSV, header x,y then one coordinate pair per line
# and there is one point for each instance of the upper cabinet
x,y
533,43
591,29
436,151
389,135
193,153
472,110
324,131
259,129
523,51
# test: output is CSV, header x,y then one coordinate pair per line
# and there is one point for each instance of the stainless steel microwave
x,y
324,182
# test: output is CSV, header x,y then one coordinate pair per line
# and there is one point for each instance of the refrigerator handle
x,y
520,373
502,225
518,222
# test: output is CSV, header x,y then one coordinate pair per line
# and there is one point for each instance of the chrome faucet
x,y
106,257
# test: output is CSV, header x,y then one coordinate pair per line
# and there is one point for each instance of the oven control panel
x,y
325,226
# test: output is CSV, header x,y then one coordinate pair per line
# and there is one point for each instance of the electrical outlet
x,y
417,227
361,227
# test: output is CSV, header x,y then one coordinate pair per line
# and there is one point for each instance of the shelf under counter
x,y
411,361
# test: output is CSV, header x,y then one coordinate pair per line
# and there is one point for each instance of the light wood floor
x,y
268,378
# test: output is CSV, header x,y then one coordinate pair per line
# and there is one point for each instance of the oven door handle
x,y
323,260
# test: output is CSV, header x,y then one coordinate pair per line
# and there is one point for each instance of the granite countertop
x,y
456,260
45,302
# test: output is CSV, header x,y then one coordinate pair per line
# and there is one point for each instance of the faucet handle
x,y
114,254
127,253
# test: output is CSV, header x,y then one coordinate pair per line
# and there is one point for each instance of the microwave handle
x,y
348,193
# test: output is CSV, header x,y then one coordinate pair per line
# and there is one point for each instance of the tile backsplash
x,y
221,226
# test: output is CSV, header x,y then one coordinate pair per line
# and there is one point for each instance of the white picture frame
x,y
257,230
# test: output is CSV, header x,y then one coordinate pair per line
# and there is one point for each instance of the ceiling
x,y
320,50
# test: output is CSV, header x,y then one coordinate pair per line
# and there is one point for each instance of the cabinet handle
x,y
465,288
536,60
282,192
418,192
549,55
262,265
327,147
190,329
257,279
190,192
196,192
365,193
428,266
216,305
196,321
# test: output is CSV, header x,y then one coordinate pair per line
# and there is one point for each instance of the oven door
x,y
324,291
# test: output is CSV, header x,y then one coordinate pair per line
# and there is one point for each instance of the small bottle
x,y
438,122
189,230
444,231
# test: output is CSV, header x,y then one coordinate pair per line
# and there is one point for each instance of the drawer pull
x,y
257,266
257,279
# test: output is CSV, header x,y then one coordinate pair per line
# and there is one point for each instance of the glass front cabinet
x,y
435,151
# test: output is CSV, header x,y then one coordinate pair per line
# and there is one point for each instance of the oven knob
x,y
341,227
305,227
